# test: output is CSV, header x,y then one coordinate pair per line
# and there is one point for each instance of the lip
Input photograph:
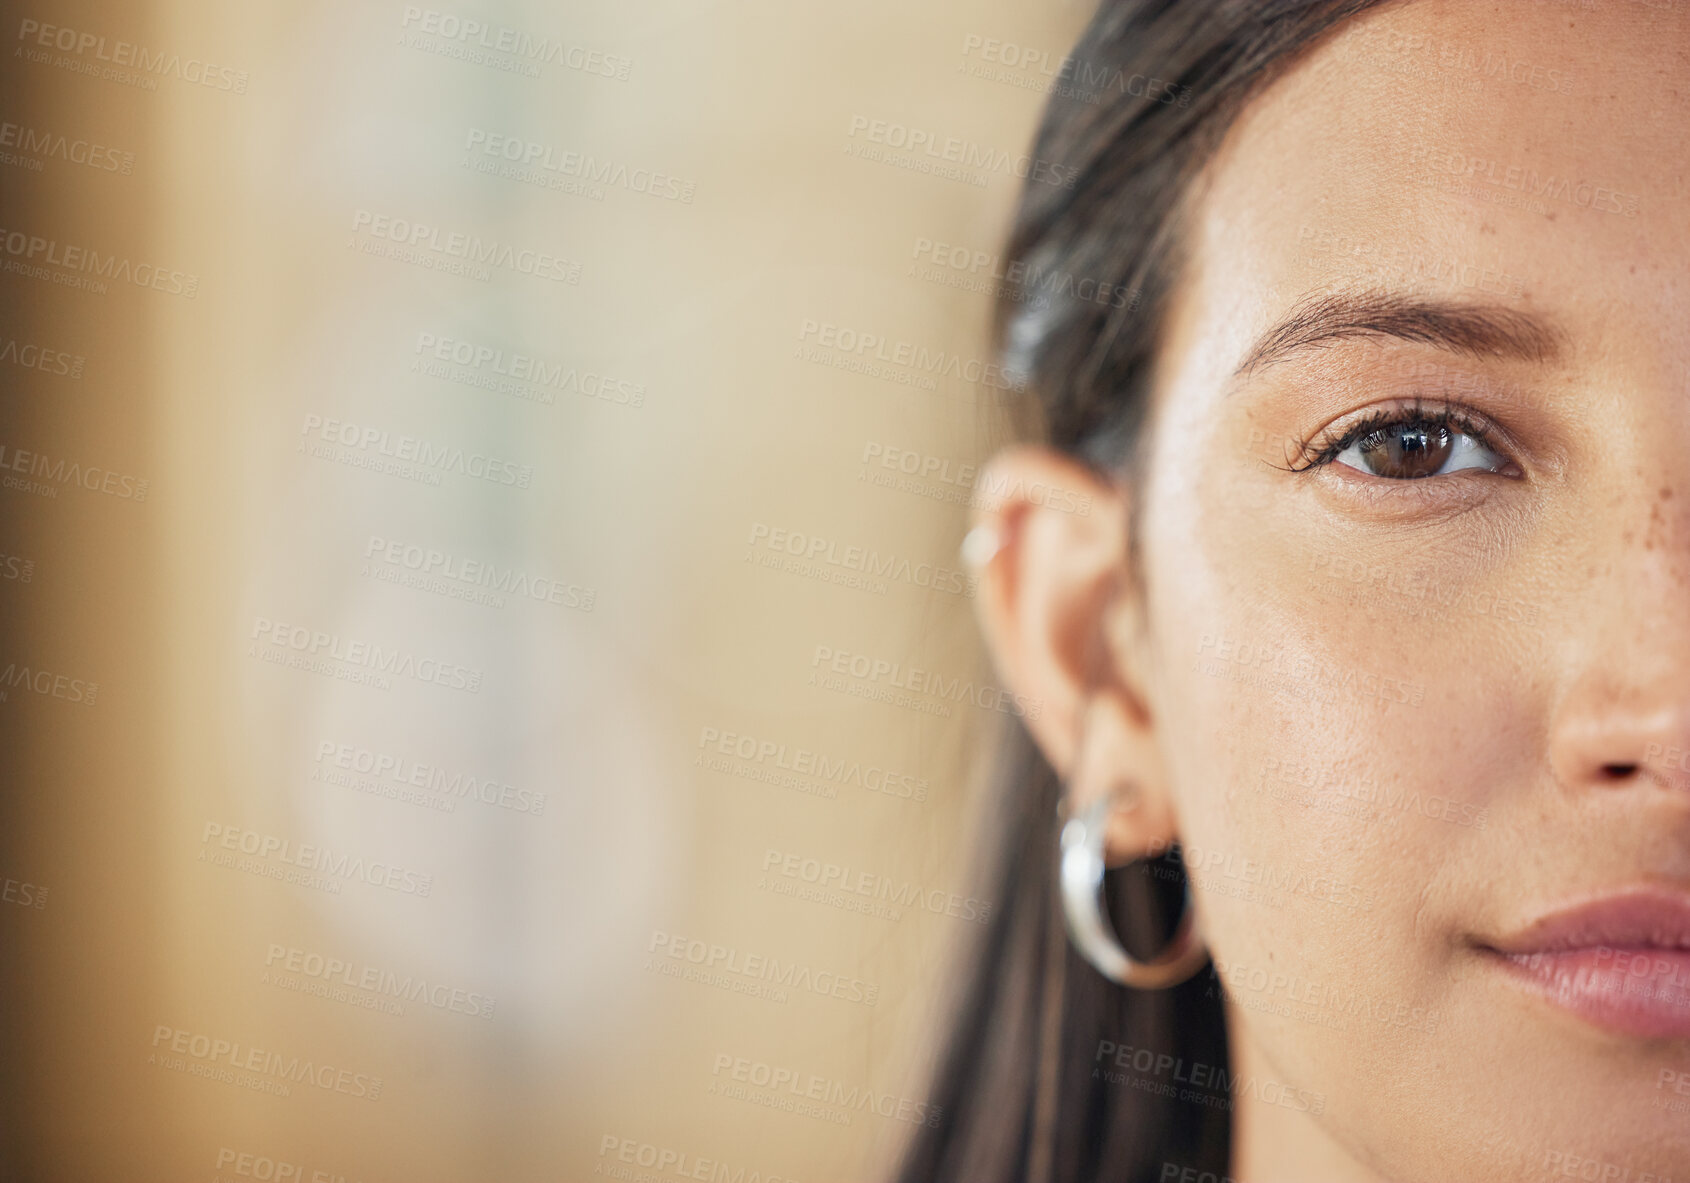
x,y
1621,961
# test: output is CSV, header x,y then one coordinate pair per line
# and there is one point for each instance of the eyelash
x,y
1329,445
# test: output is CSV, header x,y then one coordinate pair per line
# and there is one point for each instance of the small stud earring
x,y
980,546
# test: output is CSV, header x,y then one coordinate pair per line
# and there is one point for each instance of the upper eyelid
x,y
1457,423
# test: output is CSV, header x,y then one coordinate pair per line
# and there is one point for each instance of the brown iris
x,y
1408,450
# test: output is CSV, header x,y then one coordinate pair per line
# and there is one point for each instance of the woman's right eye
x,y
1410,441
1408,450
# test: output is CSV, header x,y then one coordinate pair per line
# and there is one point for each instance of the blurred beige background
x,y
488,689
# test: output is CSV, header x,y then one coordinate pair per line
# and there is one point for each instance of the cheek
x,y
1277,783
1330,769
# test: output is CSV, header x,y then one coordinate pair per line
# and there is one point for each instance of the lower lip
x,y
1643,991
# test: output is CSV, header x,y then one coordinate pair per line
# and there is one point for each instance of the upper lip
x,y
1641,918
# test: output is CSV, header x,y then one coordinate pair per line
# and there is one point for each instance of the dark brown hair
x,y
1032,1083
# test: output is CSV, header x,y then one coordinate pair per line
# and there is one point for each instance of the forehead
x,y
1528,154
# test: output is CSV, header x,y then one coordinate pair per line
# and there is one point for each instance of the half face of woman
x,y
1416,539
1409,676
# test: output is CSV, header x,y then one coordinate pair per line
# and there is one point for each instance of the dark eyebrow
x,y
1477,330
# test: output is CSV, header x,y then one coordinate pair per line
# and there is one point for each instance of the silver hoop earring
x,y
1088,921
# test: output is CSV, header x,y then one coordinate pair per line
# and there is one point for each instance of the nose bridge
x,y
1644,566
1625,715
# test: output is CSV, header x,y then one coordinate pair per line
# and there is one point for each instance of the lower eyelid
x,y
1423,500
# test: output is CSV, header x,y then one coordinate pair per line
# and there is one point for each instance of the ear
x,y
1061,620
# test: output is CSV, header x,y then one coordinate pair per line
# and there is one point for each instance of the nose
x,y
1624,717
1621,736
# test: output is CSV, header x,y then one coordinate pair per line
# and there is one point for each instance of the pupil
x,y
1408,451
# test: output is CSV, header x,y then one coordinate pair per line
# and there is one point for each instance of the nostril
x,y
1618,771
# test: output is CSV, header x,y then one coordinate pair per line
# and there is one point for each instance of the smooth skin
x,y
1391,717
